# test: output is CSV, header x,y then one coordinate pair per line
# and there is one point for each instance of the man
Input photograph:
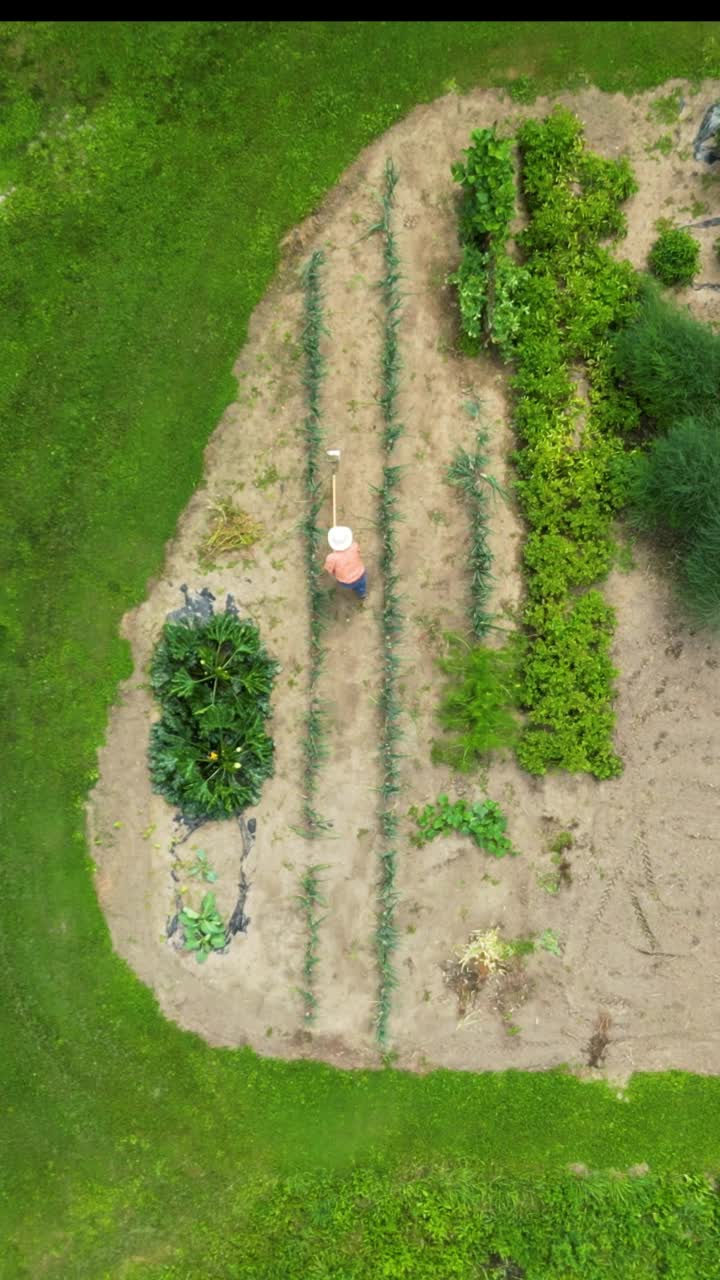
x,y
344,561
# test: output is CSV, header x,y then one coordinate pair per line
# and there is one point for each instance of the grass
x,y
132,256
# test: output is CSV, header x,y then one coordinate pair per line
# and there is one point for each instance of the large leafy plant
x,y
210,752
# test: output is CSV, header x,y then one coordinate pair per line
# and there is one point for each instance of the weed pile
x,y
209,752
231,530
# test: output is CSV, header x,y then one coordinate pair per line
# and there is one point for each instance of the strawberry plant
x,y
483,821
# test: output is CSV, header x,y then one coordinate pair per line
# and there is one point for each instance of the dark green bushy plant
x,y
674,257
668,360
674,492
675,485
210,753
700,573
477,704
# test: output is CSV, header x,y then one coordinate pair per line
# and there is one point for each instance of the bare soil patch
x,y
637,911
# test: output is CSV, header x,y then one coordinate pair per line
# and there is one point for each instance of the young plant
x,y
674,257
468,473
310,901
204,930
209,752
483,821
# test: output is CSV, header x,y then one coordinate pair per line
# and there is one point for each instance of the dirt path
x,y
638,924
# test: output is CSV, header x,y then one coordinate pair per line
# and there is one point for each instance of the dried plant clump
x,y
599,1039
231,530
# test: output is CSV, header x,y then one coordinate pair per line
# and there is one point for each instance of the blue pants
x,y
359,586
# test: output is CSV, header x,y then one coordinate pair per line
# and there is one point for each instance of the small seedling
x,y
270,475
201,869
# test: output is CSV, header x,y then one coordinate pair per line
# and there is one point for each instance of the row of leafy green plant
x,y
553,317
386,936
210,752
486,210
314,743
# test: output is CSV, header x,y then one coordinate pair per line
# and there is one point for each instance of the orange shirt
x,y
346,566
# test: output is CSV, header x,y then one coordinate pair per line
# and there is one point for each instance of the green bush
x,y
674,257
477,705
209,752
668,360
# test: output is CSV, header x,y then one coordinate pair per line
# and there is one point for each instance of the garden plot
x,y
629,978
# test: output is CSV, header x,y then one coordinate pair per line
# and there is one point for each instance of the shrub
x,y
668,360
477,705
209,753
674,257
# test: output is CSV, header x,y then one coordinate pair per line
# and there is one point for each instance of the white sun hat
x,y
340,537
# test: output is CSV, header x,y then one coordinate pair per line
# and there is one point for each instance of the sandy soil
x,y
639,925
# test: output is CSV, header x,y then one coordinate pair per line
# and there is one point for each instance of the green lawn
x,y
155,168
